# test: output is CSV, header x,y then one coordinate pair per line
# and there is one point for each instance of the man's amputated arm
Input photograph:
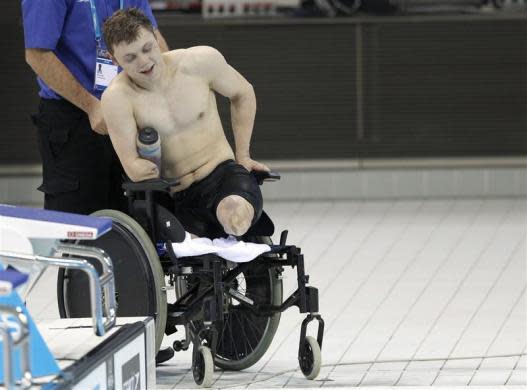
x,y
55,74
122,129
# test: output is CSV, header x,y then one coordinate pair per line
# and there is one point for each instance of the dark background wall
x,y
344,88
18,92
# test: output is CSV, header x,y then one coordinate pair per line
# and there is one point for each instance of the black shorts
x,y
195,206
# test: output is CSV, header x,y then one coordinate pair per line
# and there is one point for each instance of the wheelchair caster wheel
x,y
179,346
202,366
310,358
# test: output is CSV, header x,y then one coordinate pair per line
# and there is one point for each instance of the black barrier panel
x,y
304,80
446,89
401,86
18,93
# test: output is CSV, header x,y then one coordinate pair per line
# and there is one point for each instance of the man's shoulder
x,y
200,59
192,53
174,57
119,88
203,53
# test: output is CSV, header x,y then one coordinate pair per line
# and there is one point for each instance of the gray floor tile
x,y
399,281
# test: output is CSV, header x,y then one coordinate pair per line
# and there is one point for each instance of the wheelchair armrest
x,y
262,176
162,185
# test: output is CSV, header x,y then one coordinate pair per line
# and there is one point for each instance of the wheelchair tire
x,y
237,353
202,366
310,358
139,277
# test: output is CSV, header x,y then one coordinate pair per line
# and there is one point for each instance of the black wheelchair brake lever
x,y
262,176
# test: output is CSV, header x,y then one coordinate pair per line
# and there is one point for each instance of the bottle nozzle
x,y
148,136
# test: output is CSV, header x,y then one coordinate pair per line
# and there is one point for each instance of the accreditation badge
x,y
105,70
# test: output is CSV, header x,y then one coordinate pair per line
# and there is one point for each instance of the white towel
x,y
193,247
229,248
239,251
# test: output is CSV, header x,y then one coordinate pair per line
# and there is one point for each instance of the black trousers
x,y
80,170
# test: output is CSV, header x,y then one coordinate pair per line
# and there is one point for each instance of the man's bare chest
x,y
182,104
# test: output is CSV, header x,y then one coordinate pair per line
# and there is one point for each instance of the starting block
x,y
121,354
25,352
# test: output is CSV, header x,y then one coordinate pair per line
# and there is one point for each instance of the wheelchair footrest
x,y
175,317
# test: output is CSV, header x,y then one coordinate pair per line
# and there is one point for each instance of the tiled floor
x,y
413,293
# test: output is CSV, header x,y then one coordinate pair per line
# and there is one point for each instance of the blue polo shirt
x,y
66,28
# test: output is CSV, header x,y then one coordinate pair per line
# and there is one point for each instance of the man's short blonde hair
x,y
124,26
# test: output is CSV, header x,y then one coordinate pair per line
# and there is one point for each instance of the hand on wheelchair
x,y
252,165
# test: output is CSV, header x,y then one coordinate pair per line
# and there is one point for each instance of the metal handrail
x,y
10,344
106,280
99,285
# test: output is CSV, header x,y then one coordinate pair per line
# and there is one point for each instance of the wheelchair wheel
x,y
245,337
310,358
202,366
139,278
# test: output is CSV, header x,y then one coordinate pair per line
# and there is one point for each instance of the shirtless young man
x,y
174,93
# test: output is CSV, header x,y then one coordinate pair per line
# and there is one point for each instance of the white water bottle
x,y
149,145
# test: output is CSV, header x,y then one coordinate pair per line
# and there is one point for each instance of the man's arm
x,y
122,129
50,69
225,80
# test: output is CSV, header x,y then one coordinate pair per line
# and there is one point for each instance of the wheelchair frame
x,y
201,310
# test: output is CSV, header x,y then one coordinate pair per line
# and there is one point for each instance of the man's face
x,y
141,58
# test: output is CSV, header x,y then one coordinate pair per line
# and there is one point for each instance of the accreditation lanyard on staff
x,y
105,70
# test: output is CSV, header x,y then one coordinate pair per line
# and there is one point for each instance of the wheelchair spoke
x,y
246,323
256,331
220,345
233,343
245,334
245,337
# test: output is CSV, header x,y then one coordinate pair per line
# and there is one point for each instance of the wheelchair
x,y
230,311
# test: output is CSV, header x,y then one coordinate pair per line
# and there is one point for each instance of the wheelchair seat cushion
x,y
228,248
196,206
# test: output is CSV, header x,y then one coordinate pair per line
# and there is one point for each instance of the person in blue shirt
x,y
64,46
65,49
